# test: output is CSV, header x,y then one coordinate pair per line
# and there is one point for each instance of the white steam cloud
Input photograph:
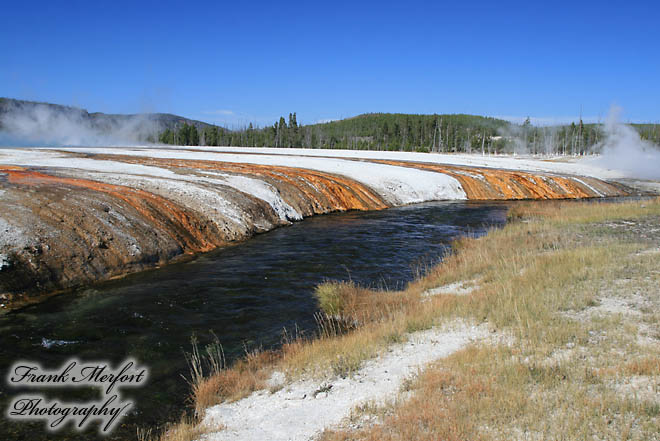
x,y
45,125
624,150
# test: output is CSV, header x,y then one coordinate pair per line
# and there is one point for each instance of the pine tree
x,y
295,131
281,133
194,135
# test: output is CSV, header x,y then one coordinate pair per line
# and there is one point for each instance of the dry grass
x,y
587,212
541,281
643,366
213,383
568,373
187,429
356,306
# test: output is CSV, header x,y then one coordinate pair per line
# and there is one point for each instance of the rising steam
x,y
46,125
624,150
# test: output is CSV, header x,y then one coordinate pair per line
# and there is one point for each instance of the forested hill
x,y
411,132
374,131
394,131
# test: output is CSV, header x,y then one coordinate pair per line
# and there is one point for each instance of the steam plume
x,y
624,150
35,124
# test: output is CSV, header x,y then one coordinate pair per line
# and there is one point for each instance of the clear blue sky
x,y
234,62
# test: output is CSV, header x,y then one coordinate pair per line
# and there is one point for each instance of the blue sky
x,y
237,62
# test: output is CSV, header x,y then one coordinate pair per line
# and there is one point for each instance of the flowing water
x,y
244,294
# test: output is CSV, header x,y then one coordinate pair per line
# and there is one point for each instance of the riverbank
x,y
568,294
73,217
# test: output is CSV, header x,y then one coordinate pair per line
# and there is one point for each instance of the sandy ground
x,y
302,409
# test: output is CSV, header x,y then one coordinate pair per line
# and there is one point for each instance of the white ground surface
x,y
207,190
457,288
296,413
586,166
398,185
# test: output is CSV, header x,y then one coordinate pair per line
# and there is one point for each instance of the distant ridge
x,y
103,122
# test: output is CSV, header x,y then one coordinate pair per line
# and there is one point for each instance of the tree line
x,y
408,132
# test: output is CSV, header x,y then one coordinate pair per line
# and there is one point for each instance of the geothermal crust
x,y
70,217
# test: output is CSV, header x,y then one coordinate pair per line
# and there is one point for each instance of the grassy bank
x,y
573,289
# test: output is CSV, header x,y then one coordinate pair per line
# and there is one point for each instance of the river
x,y
244,294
